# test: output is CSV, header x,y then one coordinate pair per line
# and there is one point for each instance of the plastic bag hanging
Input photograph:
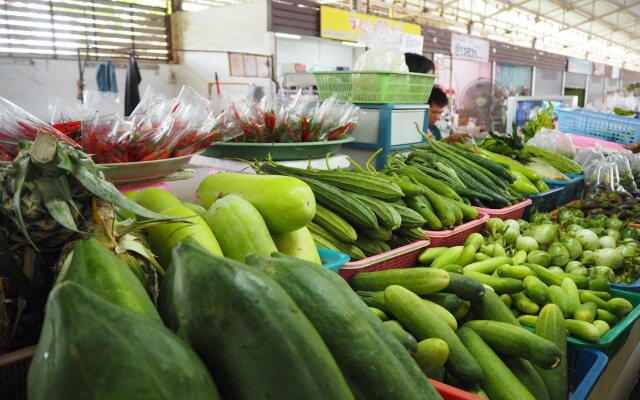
x,y
383,54
624,171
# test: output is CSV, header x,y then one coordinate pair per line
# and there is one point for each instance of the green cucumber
x,y
514,271
463,312
587,296
467,255
431,356
560,298
527,374
551,326
619,306
481,257
500,285
497,379
536,290
586,312
546,276
442,313
448,257
524,303
603,295
606,316
430,254
582,330
412,312
493,308
602,326
455,268
570,288
465,287
475,239
379,313
528,320
515,341
488,266
448,301
419,280
404,337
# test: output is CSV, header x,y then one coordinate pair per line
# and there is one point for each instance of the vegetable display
x,y
363,213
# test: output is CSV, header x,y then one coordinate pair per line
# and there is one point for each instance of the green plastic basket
x,y
375,87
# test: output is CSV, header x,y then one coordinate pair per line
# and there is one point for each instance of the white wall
x,y
238,28
31,85
314,52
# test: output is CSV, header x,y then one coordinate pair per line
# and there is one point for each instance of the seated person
x,y
438,101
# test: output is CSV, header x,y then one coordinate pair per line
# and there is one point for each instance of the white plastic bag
x,y
588,156
384,52
554,140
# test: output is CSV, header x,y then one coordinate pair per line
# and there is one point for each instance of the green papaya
x,y
96,268
331,305
253,338
91,348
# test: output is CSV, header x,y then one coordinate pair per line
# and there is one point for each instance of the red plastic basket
x,y
459,234
515,211
402,257
451,393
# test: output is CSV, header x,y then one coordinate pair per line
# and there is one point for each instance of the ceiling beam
x,y
600,16
624,45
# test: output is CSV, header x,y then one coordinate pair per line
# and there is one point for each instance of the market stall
x,y
329,245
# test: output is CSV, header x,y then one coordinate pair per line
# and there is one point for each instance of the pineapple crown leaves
x,y
49,164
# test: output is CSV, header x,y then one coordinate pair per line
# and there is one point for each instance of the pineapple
x,y
52,194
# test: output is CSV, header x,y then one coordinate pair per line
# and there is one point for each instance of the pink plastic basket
x,y
459,234
515,211
402,257
581,142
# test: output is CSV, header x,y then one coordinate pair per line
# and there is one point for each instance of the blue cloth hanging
x,y
106,77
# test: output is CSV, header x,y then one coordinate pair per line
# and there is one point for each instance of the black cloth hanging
x,y
132,94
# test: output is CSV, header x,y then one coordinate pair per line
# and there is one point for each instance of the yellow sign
x,y
344,25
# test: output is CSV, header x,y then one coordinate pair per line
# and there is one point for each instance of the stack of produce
x,y
462,333
364,214
289,120
240,214
620,204
103,325
514,150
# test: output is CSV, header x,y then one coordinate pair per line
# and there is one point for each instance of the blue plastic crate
x,y
623,130
544,202
333,260
573,189
629,287
585,368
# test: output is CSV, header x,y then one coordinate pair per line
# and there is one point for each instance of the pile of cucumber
x,y
588,306
462,333
364,213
